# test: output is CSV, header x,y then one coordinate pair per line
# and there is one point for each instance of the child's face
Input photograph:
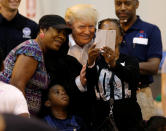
x,y
58,96
107,25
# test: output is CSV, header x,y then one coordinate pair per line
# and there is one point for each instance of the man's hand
x,y
93,53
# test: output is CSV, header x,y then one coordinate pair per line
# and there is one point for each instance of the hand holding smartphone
x,y
105,38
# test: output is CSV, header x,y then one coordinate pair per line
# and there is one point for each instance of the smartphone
x,y
105,38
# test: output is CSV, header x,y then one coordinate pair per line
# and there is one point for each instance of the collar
x,y
73,43
3,19
137,25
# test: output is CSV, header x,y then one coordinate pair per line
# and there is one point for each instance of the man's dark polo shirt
x,y
15,32
143,41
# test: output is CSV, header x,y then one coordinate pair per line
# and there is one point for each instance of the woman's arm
x,y
24,68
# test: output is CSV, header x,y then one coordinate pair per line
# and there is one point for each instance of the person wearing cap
x,y
14,27
24,66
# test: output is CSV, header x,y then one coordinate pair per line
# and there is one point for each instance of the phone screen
x,y
105,38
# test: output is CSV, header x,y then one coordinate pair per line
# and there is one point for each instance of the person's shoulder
x,y
30,48
73,63
148,25
6,85
28,25
27,20
68,61
28,44
8,88
72,59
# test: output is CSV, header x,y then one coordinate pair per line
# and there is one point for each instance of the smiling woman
x,y
54,38
25,67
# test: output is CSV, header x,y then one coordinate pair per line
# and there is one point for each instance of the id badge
x,y
141,41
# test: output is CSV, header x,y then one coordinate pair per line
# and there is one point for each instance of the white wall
x,y
153,11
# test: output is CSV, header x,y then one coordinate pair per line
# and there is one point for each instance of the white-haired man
x,y
82,19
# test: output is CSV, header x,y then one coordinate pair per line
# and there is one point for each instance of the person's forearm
x,y
150,67
147,69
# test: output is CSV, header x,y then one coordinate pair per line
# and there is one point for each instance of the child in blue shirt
x,y
55,110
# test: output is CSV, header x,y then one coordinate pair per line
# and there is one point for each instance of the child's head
x,y
156,123
113,24
53,98
57,97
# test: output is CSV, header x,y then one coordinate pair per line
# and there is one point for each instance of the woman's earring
x,y
41,35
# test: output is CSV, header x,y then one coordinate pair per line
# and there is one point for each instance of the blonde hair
x,y
81,12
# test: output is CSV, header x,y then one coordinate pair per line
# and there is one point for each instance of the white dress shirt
x,y
81,54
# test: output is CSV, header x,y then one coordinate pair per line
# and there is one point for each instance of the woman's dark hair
x,y
116,21
51,57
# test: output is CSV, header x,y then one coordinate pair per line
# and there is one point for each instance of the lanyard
x,y
111,82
